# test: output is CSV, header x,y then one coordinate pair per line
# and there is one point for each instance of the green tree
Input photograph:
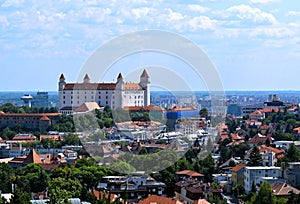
x,y
293,153
255,157
264,195
6,176
203,112
61,189
36,176
122,167
20,197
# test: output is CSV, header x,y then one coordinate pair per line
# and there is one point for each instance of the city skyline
x,y
254,44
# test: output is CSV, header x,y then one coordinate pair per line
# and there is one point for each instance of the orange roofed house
x,y
32,121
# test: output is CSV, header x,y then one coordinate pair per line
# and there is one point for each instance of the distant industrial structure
x,y
27,99
41,99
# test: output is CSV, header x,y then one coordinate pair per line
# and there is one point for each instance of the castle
x,y
115,95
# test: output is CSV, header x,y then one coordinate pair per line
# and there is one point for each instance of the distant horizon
x,y
262,90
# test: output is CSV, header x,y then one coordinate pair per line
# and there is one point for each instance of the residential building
x,y
191,190
159,200
182,175
253,174
292,174
115,95
283,190
238,174
138,185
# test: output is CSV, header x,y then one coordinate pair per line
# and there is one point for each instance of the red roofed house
x,y
283,190
238,174
154,199
270,155
257,115
181,175
260,139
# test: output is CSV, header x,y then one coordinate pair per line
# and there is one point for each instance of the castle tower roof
x,y
86,77
62,77
145,74
120,76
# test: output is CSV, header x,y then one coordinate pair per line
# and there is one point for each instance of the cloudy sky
x,y
254,44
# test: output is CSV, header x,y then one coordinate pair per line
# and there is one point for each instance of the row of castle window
x,y
91,92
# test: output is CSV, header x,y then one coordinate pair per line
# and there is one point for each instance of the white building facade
x,y
254,174
115,95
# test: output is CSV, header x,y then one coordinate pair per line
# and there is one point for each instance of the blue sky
x,y
255,44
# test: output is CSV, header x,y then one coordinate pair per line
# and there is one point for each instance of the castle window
x,y
106,92
106,102
64,102
92,97
64,97
106,97
99,97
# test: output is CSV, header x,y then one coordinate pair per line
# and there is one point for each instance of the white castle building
x,y
115,95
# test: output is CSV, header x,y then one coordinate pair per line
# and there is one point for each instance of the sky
x,y
254,44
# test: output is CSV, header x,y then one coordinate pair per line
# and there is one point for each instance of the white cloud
x,y
3,22
202,22
279,32
198,8
293,13
263,1
174,16
140,12
12,3
245,12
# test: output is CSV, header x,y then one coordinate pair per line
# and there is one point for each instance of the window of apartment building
x,y
71,92
99,97
64,102
64,97
71,97
71,102
64,92
106,102
106,97
99,92
106,92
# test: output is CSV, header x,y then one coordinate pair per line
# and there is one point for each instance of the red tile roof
x,y
189,173
154,199
201,201
283,189
33,157
45,118
132,86
237,167
90,86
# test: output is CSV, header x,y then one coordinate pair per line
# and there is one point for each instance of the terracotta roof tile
x,y
189,173
238,167
154,199
33,157
283,189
